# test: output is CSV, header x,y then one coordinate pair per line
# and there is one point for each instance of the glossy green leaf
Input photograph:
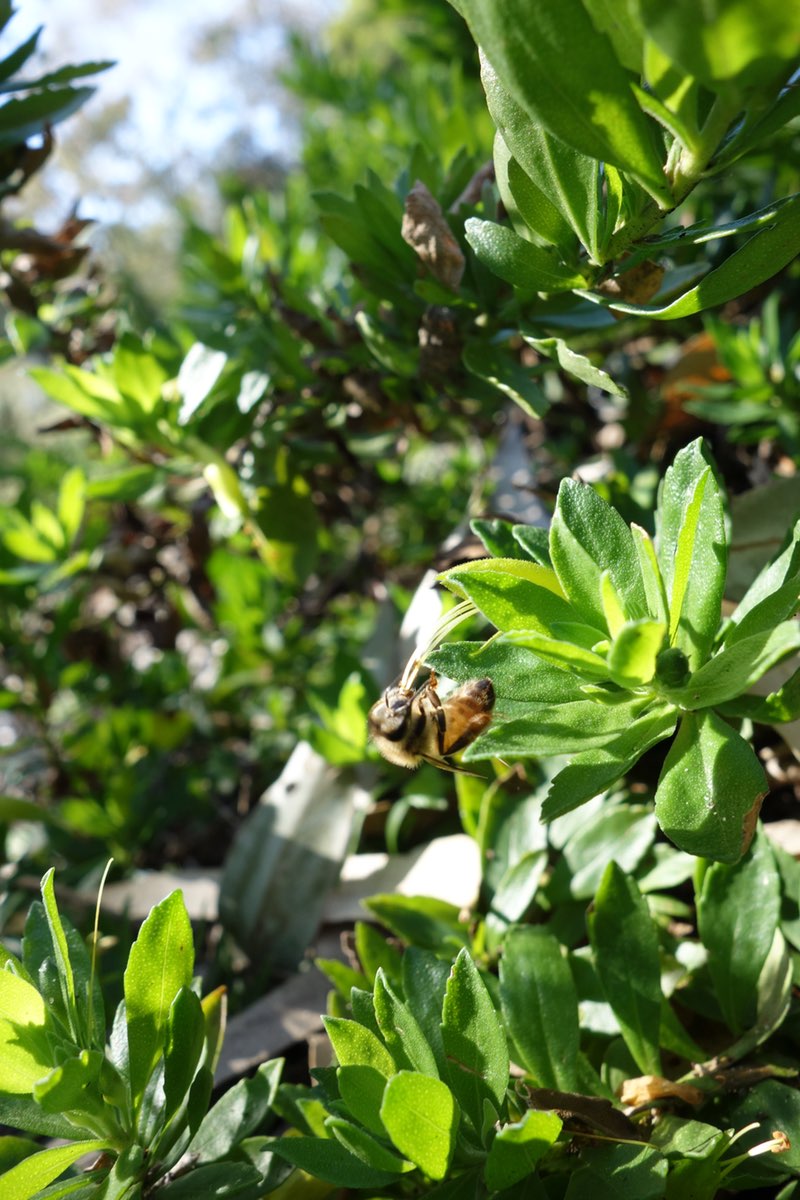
x,y
34,1173
474,1042
159,965
564,74
691,547
547,172
540,1007
421,1116
738,909
710,789
506,254
521,197
400,1030
738,43
626,957
517,1148
768,251
590,773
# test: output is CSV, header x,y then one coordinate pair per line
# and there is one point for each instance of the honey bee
x,y
411,726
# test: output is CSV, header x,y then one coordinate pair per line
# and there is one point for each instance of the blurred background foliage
x,y
261,444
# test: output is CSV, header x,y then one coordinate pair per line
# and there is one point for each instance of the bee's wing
x,y
446,625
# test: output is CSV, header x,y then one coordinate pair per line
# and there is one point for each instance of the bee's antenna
x,y
444,626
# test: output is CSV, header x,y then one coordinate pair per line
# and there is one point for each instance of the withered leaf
x,y
426,230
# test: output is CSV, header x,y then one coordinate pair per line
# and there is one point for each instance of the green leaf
x,y
576,364
625,944
772,596
623,832
237,1114
25,118
739,43
564,74
517,1148
375,952
60,950
546,729
545,172
565,654
768,251
525,598
72,502
506,254
634,1171
589,774
520,195
64,1087
215,1182
474,1042
421,1116
328,1160
535,542
366,1147
499,368
738,666
588,537
421,920
400,1030
364,1067
710,789
540,1007
186,1030
159,965
28,1178
24,1053
633,653
424,982
691,547
738,909
498,537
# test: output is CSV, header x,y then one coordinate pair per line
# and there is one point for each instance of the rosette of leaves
x,y
609,642
137,1104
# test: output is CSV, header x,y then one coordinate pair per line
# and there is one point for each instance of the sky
x,y
183,99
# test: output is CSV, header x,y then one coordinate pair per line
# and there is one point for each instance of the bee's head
x,y
389,716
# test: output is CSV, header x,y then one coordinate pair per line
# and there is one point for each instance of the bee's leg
x,y
430,693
